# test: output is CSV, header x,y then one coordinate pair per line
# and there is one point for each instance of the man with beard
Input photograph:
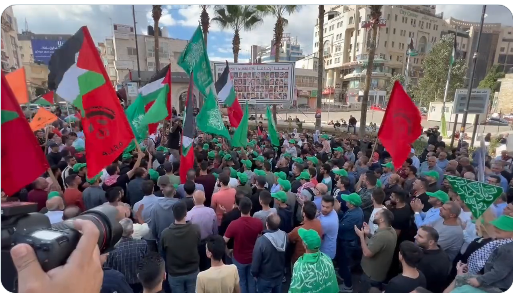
x,y
393,183
419,192
436,199
369,181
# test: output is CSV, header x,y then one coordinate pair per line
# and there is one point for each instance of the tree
x,y
156,13
431,86
205,22
375,14
402,80
278,12
237,18
320,69
491,79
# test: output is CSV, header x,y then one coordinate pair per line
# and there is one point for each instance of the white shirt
x,y
415,162
54,216
373,227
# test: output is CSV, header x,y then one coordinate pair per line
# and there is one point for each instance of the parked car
x,y
496,121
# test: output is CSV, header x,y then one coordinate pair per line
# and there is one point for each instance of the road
x,y
377,117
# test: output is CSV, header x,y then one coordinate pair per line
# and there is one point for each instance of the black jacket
x,y
269,255
179,246
287,219
435,265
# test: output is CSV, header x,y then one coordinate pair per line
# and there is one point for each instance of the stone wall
x,y
505,104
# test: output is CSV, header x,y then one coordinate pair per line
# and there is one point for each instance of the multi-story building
x,y
11,58
290,51
119,55
347,38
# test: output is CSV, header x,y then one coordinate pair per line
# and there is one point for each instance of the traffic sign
x,y
479,99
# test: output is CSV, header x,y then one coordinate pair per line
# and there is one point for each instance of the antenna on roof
x,y
26,25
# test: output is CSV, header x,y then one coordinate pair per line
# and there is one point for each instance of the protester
x,y
411,278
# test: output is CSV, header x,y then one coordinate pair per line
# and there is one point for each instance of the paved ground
x,y
377,117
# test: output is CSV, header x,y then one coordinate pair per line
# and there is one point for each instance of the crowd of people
x,y
314,214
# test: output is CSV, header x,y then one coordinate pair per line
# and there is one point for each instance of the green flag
x,y
478,196
240,137
209,119
444,125
273,134
135,114
195,58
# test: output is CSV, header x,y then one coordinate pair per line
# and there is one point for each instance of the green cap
x,y
154,175
285,184
280,175
215,140
313,160
206,147
143,149
222,153
275,149
287,155
304,175
280,195
260,159
298,160
325,136
125,156
175,186
432,173
53,194
78,166
442,196
227,157
93,179
259,172
353,199
215,175
233,172
220,145
293,141
504,223
340,172
243,178
251,144
255,154
79,148
379,184
247,163
339,149
311,238
388,165
211,155
161,149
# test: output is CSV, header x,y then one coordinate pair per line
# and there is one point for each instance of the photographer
x,y
81,273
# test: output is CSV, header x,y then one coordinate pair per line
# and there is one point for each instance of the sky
x,y
181,21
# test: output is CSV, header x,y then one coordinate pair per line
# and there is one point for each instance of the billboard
x,y
43,49
269,83
122,31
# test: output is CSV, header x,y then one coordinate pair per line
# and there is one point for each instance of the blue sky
x,y
181,20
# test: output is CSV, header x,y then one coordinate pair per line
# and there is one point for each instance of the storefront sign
x,y
408,13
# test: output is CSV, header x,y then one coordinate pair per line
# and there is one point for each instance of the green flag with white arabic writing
x,y
273,134
194,58
478,196
209,119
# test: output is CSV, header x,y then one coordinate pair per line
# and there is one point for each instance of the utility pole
x,y
136,49
455,116
471,81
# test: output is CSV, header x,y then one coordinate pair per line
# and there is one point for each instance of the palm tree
x,y
278,12
156,13
237,17
320,72
205,22
375,14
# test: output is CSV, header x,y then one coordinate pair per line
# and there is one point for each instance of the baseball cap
x,y
325,136
340,172
504,223
442,196
292,141
206,146
432,173
259,172
53,194
388,165
280,195
285,184
211,155
227,157
247,163
313,160
304,175
339,149
233,172
310,237
242,177
79,166
280,175
298,160
260,159
352,198
93,179
154,175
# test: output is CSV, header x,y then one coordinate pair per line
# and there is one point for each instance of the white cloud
x,y
224,49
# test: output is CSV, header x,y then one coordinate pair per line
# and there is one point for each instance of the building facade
x,y
290,51
347,38
11,55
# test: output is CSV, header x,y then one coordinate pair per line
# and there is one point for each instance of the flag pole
x,y
46,140
137,146
443,123
374,146
52,176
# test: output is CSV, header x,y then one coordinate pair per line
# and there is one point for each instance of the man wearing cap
x,y
414,159
55,206
94,195
436,200
259,162
449,229
432,180
338,158
246,165
313,271
431,166
291,148
54,156
283,210
347,240
244,187
278,175
388,170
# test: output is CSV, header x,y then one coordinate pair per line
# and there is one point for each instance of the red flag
x,y
235,113
106,128
187,148
49,97
401,125
23,159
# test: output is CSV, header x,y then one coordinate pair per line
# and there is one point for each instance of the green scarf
x,y
314,273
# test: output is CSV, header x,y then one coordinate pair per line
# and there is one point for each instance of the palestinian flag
x,y
187,153
226,95
273,134
20,147
78,76
49,97
159,91
42,102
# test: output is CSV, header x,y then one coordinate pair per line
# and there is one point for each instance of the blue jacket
x,y
347,221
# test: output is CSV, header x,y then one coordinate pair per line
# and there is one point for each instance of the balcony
x,y
6,25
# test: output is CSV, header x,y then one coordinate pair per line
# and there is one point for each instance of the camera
x,y
53,244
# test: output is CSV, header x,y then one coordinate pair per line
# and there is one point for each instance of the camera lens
x,y
104,217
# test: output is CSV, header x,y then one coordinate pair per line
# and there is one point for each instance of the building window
x,y
393,44
511,50
393,31
397,58
325,30
463,46
385,44
386,30
388,16
390,57
351,20
316,34
131,51
502,49
395,17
